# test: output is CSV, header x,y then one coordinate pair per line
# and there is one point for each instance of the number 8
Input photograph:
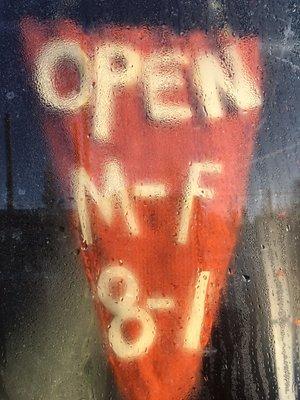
x,y
125,309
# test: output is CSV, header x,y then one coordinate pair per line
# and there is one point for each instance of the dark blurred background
x,y
49,342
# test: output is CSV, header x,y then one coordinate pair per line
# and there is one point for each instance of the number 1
x,y
195,320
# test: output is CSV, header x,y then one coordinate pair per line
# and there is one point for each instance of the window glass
x,y
149,200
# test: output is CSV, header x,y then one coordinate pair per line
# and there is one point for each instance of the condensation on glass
x,y
149,225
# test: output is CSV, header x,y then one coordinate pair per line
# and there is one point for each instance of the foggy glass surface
x,y
50,343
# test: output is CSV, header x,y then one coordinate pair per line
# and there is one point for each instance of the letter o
x,y
50,56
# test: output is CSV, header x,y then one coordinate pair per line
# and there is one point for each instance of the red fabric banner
x,y
152,132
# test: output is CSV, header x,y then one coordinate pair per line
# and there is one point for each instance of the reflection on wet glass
x,y
150,204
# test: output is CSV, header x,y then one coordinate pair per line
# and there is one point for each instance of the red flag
x,y
153,134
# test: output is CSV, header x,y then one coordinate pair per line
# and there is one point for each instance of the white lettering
x,y
116,67
158,79
195,321
150,190
193,189
49,59
114,191
213,82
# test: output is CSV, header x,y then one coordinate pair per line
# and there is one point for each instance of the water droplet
x,y
10,95
246,278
